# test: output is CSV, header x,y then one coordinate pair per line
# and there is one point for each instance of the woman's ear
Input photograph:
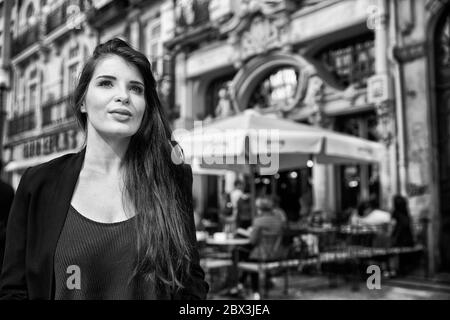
x,y
83,107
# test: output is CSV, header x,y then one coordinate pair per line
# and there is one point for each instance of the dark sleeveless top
x,y
94,261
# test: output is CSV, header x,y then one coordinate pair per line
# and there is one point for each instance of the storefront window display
x,y
357,181
293,189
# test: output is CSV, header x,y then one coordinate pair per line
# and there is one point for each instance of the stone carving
x,y
185,11
315,92
385,127
258,35
314,100
267,7
262,36
225,107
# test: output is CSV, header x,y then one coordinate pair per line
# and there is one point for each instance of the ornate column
x,y
379,89
322,175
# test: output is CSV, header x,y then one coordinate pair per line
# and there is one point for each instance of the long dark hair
x,y
153,182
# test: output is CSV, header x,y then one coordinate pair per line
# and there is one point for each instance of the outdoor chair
x,y
269,256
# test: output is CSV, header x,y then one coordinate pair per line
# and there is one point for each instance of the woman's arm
x,y
255,233
12,279
196,287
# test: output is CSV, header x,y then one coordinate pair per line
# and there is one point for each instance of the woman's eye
x,y
105,83
137,89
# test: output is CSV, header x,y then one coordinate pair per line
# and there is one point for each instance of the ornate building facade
x,y
376,69
308,61
49,40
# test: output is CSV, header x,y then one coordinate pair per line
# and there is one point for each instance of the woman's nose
x,y
122,96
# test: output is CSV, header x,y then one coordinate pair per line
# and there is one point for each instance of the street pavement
x,y
318,287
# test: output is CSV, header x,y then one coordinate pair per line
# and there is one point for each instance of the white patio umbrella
x,y
250,143
271,144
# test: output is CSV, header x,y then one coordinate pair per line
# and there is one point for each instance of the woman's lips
x,y
120,115
121,111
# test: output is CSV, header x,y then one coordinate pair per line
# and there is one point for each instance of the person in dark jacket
x,y
115,220
402,234
6,199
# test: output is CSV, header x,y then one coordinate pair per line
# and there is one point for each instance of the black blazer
x,y
35,222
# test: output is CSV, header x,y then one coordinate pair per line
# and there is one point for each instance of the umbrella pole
x,y
273,182
252,190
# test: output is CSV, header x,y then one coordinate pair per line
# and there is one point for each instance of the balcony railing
x,y
57,111
59,16
22,123
25,39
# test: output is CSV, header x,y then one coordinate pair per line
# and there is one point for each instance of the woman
x,y
402,235
115,220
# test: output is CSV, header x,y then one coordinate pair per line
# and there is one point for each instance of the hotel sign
x,y
51,143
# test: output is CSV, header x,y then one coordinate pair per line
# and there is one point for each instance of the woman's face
x,y
115,101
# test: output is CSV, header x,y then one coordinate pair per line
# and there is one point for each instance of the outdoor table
x,y
230,244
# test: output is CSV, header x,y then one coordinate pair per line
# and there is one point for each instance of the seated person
x,y
367,214
266,227
278,211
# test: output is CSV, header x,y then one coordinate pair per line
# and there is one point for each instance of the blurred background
x,y
378,70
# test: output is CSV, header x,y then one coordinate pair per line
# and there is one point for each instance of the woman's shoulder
x,y
50,168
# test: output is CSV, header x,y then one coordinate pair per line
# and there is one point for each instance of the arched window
x,y
29,15
277,90
443,44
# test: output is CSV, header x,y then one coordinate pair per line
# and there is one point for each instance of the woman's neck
x,y
103,155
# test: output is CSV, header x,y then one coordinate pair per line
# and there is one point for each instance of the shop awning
x,y
266,142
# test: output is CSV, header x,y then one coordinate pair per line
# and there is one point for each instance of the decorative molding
x,y
433,6
410,52
262,34
385,117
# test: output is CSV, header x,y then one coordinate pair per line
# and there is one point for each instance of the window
x,y
276,90
351,62
30,18
359,181
155,49
73,52
73,76
33,98
72,66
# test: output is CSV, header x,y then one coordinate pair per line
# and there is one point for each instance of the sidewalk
x,y
317,287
